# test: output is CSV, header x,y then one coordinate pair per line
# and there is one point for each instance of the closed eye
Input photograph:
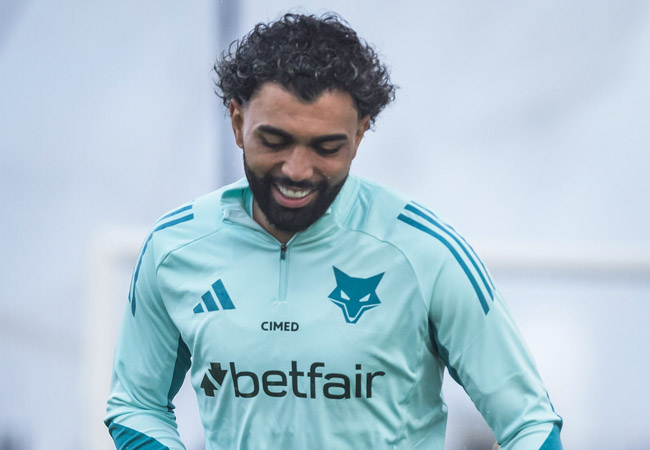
x,y
274,145
273,138
329,144
327,151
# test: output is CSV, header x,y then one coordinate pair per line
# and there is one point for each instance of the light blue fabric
x,y
128,439
337,341
553,441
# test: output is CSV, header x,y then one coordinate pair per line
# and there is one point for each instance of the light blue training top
x,y
336,340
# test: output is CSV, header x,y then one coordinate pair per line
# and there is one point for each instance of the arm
x,y
485,353
149,366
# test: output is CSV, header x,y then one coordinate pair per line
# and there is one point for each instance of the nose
x,y
298,165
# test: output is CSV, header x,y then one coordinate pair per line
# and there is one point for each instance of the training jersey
x,y
337,339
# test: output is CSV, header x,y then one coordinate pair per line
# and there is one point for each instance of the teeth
x,y
291,193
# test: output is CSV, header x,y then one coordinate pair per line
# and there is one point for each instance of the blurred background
x,y
524,123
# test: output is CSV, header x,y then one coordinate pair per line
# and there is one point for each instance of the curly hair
x,y
307,55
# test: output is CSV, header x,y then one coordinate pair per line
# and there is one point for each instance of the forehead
x,y
272,104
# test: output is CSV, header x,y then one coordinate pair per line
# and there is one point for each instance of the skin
x,y
291,139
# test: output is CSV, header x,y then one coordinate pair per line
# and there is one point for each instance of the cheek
x,y
258,161
336,171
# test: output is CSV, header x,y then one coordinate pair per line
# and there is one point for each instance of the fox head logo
x,y
355,295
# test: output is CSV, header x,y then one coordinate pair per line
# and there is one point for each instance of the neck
x,y
260,218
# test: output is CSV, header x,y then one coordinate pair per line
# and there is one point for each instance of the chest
x,y
345,302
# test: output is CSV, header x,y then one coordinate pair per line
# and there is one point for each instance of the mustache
x,y
305,184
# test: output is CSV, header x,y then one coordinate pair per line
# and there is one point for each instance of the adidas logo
x,y
210,302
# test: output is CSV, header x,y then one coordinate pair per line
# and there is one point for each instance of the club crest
x,y
353,295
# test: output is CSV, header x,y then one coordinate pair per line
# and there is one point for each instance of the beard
x,y
291,220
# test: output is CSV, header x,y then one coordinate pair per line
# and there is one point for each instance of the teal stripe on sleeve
x,y
553,441
468,273
171,223
462,239
465,248
173,213
183,363
126,438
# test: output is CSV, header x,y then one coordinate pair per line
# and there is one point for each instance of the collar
x,y
237,200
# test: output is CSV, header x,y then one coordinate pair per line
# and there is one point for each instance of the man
x,y
317,310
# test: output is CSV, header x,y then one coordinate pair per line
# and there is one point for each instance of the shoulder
x,y
436,251
194,220
396,218
388,216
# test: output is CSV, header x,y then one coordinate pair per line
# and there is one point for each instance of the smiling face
x,y
297,154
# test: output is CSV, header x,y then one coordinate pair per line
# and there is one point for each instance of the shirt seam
x,y
409,395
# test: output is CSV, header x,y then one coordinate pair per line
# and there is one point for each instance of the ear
x,y
237,120
362,127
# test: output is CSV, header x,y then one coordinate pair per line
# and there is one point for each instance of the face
x,y
297,155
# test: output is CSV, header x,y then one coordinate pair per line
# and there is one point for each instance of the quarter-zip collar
x,y
237,199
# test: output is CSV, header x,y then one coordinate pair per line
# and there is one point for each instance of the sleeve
x,y
484,352
150,363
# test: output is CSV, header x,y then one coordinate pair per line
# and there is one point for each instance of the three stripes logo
x,y
426,221
209,302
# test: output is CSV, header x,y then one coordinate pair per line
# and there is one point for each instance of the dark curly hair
x,y
307,55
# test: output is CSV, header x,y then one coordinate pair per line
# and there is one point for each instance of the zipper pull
x,y
283,251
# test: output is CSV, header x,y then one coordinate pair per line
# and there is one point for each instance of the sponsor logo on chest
x,y
280,382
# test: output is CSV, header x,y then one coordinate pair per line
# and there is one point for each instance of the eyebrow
x,y
315,141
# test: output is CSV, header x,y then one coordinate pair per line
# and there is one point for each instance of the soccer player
x,y
315,309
